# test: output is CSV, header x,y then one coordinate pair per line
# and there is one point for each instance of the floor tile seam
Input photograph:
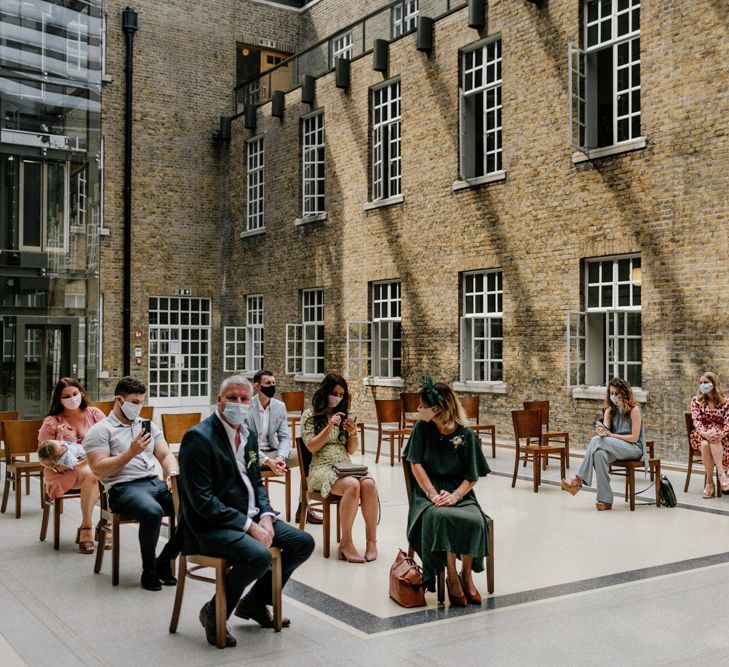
x,y
372,625
37,608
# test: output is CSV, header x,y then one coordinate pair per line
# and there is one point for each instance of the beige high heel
x,y
371,553
349,559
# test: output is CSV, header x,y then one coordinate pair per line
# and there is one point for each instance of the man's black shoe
x,y
150,581
209,624
164,572
261,615
312,516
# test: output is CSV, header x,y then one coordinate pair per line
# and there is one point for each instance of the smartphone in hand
x,y
147,426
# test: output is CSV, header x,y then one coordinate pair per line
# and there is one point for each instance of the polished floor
x,y
572,585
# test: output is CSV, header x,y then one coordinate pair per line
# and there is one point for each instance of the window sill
x,y
607,151
481,387
397,383
310,218
598,394
479,180
106,78
104,231
253,232
382,203
314,378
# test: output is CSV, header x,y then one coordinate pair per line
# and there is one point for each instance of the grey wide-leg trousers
x,y
601,452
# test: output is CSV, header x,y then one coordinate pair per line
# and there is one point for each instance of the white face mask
x,y
334,401
426,414
235,413
706,387
615,399
72,403
130,410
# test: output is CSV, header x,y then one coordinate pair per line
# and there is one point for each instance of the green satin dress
x,y
461,529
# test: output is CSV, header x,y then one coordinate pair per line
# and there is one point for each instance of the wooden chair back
x,y
543,407
174,426
104,406
527,425
689,425
21,437
471,406
147,412
4,416
293,400
388,411
409,402
304,462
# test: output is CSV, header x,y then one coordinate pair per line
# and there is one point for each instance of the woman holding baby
x,y
62,455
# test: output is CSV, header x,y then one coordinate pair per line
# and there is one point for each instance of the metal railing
x,y
318,59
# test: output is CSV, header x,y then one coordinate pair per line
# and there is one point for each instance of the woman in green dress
x,y
331,436
445,520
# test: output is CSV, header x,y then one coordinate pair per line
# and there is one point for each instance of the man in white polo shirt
x,y
122,455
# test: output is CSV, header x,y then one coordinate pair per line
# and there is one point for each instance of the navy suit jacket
x,y
213,497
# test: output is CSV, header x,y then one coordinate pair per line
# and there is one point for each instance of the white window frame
x,y
255,185
234,349
166,355
313,185
615,31
255,333
386,153
404,17
481,78
308,336
597,349
386,329
77,48
490,315
43,203
342,46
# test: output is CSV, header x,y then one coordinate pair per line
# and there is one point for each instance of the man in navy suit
x,y
225,511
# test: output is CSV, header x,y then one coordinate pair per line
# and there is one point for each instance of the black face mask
x,y
269,391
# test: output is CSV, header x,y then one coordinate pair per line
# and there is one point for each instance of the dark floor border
x,y
370,624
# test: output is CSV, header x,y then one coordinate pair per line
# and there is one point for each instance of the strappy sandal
x,y
572,486
709,491
85,546
724,482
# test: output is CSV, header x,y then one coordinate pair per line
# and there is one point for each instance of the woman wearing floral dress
x,y
710,414
331,438
445,520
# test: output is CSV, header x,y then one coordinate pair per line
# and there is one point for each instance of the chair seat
x,y
544,449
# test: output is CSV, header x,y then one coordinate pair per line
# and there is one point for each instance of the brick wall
x,y
666,202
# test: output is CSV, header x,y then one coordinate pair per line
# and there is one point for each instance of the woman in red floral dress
x,y
710,414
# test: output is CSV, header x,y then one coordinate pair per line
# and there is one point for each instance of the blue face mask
x,y
235,413
706,387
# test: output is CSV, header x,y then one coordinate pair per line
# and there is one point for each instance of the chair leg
x,y
440,587
57,511
563,464
718,484
288,495
631,487
362,436
516,468
327,527
18,493
379,445
6,492
493,442
490,561
179,592
99,560
44,522
567,449
339,525
688,472
536,471
221,607
657,468
276,587
115,552
303,509
391,438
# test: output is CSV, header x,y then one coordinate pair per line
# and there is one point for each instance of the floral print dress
x,y
321,476
706,418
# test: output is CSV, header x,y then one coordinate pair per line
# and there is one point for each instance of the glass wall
x,y
50,197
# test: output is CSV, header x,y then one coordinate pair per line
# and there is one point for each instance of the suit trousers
x,y
249,561
600,453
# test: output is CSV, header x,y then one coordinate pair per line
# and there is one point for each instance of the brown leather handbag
x,y
350,469
406,581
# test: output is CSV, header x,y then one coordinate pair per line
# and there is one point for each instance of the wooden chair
x,y
315,499
57,505
389,413
268,476
471,405
174,426
410,482
694,456
21,439
104,406
528,425
294,402
549,436
220,566
14,416
114,520
147,412
409,402
627,469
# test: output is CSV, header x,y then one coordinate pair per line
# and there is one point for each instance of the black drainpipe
x,y
129,25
